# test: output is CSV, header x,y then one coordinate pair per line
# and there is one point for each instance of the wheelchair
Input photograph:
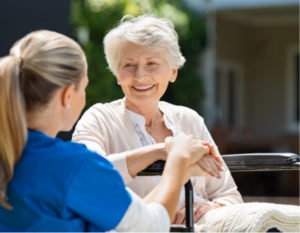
x,y
247,162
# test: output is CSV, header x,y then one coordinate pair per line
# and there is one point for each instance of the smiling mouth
x,y
143,88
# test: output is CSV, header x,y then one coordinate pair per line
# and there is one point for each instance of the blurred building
x,y
19,17
251,70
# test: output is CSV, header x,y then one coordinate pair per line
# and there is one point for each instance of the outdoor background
x,y
241,74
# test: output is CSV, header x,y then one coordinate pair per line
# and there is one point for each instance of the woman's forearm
x,y
138,159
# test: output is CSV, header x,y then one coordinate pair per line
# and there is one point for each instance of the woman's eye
x,y
129,65
151,63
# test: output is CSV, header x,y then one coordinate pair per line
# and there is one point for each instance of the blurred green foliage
x,y
92,19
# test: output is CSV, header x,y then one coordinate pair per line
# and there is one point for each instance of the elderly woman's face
x,y
143,74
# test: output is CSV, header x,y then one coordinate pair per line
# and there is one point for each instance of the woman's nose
x,y
139,72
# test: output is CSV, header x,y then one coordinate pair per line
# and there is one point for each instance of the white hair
x,y
145,30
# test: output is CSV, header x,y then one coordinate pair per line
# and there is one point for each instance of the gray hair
x,y
145,30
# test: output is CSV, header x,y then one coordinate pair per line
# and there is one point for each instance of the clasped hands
x,y
201,157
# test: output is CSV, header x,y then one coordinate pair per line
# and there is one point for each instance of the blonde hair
x,y
145,30
36,67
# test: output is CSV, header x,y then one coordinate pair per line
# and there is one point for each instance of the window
x,y
296,94
293,90
228,95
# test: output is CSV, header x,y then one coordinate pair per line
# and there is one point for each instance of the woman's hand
x,y
200,208
201,156
184,152
211,166
212,163
186,148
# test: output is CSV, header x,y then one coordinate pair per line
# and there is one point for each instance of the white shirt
x,y
145,139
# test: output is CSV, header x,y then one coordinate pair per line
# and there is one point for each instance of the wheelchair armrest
x,y
155,168
262,161
244,163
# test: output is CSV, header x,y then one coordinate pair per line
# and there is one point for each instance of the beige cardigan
x,y
107,129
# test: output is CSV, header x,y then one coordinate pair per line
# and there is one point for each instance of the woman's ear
x,y
118,82
174,73
66,96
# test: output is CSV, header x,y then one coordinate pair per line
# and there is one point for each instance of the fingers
x,y
197,211
186,147
213,152
180,143
202,208
195,156
213,163
200,211
180,215
206,167
215,166
210,166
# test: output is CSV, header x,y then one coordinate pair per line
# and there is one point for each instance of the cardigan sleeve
x,y
91,132
88,131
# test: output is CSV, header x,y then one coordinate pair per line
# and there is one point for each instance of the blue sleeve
x,y
97,193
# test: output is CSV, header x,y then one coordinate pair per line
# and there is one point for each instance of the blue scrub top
x,y
63,186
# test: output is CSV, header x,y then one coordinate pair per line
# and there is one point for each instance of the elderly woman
x,y
144,55
50,185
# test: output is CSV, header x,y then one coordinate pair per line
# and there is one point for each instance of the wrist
x,y
161,151
176,165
